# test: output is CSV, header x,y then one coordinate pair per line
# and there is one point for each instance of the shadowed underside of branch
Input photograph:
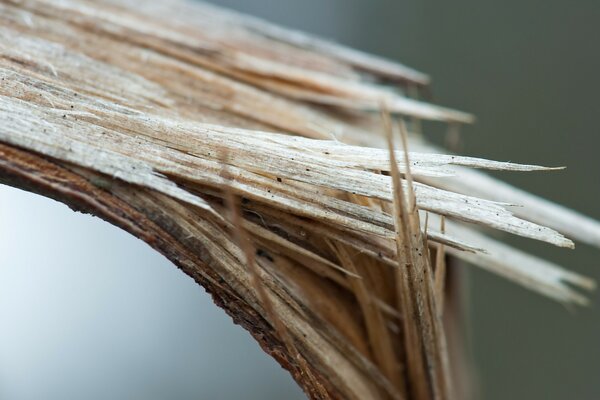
x,y
263,163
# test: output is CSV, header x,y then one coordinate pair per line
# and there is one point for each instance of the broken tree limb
x,y
132,112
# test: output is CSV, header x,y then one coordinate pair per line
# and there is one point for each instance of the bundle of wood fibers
x,y
285,174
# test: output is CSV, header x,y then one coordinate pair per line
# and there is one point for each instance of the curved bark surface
x,y
143,216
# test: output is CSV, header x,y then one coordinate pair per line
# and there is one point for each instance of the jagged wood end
x,y
254,158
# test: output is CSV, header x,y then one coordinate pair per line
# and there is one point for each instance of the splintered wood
x,y
263,163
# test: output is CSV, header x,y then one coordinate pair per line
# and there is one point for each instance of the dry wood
x,y
255,159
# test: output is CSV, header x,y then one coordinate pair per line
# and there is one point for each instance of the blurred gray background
x,y
78,321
